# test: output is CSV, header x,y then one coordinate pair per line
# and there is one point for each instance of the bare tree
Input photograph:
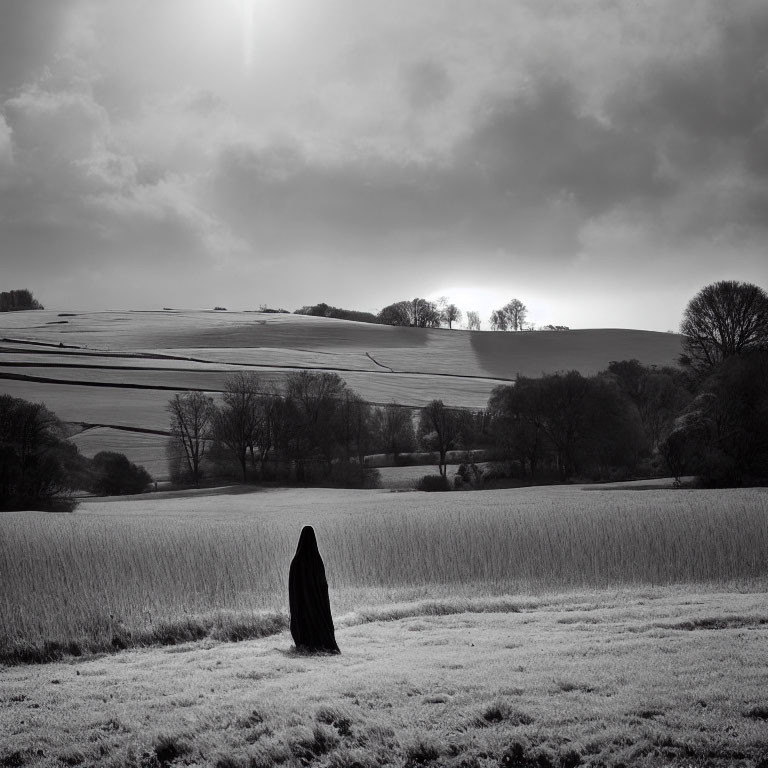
x,y
394,429
192,418
266,426
451,314
356,432
499,320
440,430
418,313
398,313
724,319
511,317
236,422
473,321
516,313
425,314
313,403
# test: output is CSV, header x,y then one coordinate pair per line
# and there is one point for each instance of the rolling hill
x,y
113,372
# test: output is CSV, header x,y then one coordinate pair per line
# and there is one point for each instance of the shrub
x,y
468,476
114,475
431,483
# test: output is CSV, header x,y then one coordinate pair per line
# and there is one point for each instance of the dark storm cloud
x,y
707,115
716,95
528,174
542,144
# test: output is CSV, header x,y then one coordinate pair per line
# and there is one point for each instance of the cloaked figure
x,y
311,621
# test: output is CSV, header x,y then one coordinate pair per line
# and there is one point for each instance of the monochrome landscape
x,y
526,417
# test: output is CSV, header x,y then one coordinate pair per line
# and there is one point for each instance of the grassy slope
x,y
311,341
643,678
198,349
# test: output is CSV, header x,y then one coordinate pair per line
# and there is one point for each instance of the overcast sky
x,y
601,161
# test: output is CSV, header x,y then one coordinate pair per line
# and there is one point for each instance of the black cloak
x,y
311,622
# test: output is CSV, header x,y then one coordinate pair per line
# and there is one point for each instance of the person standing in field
x,y
311,621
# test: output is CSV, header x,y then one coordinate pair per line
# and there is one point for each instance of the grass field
x,y
120,368
651,677
127,572
533,627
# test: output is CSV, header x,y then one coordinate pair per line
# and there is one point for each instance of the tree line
x,y
422,313
314,429
18,300
317,430
707,418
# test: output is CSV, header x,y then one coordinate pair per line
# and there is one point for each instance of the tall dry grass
x,y
127,573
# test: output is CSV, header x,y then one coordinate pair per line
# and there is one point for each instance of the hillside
x,y
107,370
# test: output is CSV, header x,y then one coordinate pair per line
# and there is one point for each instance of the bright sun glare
x,y
265,26
247,12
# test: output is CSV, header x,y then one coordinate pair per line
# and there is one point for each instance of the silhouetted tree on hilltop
x,y
721,320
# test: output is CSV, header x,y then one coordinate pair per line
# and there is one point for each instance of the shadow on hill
x,y
588,351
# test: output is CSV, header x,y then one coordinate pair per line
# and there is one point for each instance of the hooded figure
x,y
311,622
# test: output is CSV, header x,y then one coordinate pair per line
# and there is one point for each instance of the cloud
x,y
524,141
77,200
6,143
425,83
53,128
531,171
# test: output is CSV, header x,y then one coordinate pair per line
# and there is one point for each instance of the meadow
x,y
535,627
133,572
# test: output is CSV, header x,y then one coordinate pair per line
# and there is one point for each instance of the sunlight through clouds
x,y
518,147
247,10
